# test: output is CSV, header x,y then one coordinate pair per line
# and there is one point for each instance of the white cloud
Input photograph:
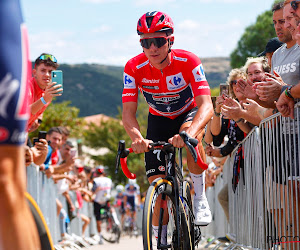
x,y
100,1
152,2
103,28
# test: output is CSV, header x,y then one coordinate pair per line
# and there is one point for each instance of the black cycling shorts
x,y
162,129
100,211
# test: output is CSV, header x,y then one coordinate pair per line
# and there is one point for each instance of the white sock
x,y
163,233
199,185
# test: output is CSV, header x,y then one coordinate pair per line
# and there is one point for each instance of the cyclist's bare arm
x,y
203,115
130,123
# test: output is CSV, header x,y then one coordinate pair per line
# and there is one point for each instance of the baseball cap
x,y
272,45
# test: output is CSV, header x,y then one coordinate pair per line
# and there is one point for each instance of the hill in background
x,y
97,89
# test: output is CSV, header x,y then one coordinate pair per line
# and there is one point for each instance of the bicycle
x,y
42,227
182,233
110,225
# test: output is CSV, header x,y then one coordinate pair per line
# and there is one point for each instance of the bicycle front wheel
x,y
110,231
177,237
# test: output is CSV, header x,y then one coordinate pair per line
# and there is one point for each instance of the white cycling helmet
x,y
120,188
132,181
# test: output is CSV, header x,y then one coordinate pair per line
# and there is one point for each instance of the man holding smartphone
x,y
41,89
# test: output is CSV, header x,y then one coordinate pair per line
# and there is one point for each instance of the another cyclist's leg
x,y
201,208
97,208
17,227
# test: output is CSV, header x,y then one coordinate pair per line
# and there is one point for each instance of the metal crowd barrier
x,y
264,209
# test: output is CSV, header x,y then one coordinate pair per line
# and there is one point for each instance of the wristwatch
x,y
288,92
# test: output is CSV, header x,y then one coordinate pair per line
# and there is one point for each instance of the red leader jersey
x,y
168,92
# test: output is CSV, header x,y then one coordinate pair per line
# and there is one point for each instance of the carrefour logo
x,y
175,81
199,74
129,81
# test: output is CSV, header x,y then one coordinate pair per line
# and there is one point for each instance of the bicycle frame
x,y
173,174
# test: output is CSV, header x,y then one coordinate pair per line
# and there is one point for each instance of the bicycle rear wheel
x,y
110,231
165,187
42,227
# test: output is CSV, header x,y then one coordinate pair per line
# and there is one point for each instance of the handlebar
x,y
191,144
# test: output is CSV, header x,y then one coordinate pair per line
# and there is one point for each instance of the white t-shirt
x,y
103,194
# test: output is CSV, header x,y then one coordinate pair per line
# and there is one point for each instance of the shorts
x,y
100,211
131,202
14,73
162,129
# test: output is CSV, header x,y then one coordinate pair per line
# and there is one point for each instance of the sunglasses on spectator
x,y
233,82
157,41
294,4
47,56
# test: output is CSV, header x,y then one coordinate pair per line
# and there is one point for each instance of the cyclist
x,y
119,201
132,192
17,227
174,86
101,188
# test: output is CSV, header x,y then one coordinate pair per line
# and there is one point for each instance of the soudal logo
x,y
128,94
161,168
150,81
4,133
199,74
175,81
166,99
129,81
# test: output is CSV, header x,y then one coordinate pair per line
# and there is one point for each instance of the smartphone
x,y
42,134
224,89
73,152
34,140
57,76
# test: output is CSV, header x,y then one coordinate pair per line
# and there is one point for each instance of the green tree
x,y
254,39
61,114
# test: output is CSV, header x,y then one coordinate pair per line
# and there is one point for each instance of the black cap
x,y
272,45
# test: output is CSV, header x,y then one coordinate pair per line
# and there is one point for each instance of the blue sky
x,y
104,31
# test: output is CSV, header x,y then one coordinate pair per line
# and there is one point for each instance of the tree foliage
x,y
254,39
61,114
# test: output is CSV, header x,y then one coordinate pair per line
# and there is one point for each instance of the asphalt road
x,y
133,243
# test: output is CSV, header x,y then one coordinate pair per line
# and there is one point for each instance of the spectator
x,y
272,45
285,61
17,227
119,202
42,90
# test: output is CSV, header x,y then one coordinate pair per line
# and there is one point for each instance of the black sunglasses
x,y
233,82
157,41
294,4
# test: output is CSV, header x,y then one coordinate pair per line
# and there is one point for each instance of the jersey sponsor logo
x,y
175,81
145,80
149,87
128,94
4,133
203,87
166,98
129,81
150,171
199,74
161,168
180,59
8,88
286,68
